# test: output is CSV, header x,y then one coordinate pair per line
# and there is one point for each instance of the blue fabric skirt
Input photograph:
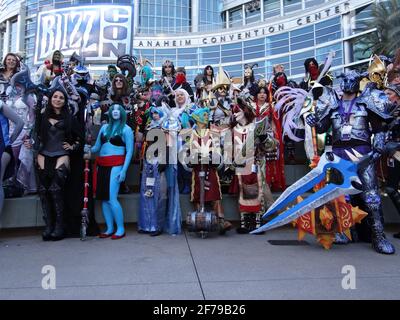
x,y
159,200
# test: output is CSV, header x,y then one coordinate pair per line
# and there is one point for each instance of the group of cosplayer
x,y
135,116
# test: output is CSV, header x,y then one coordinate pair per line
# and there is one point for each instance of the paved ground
x,y
188,267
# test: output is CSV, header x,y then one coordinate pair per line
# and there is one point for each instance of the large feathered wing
x,y
290,102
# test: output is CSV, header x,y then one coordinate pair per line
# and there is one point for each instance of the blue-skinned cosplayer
x,y
115,146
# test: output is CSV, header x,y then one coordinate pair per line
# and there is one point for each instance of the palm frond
x,y
385,17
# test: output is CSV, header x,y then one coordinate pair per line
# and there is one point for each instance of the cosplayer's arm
x,y
189,90
41,74
378,143
185,120
325,105
392,146
129,142
97,145
321,125
78,136
13,117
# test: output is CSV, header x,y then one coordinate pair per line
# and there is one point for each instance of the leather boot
x,y
395,197
56,189
379,241
46,206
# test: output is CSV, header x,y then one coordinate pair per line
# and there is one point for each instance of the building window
x,y
210,15
253,11
312,3
12,44
272,8
231,52
362,15
236,17
360,49
188,57
210,55
277,44
329,30
291,5
302,38
254,49
234,71
83,1
144,53
169,16
1,45
322,53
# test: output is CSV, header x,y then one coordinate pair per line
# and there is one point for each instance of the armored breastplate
x,y
351,126
221,114
56,136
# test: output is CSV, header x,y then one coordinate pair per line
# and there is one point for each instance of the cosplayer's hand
x,y
67,146
28,143
392,147
86,156
87,148
167,90
121,176
376,155
311,120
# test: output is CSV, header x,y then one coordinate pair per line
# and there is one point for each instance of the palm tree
x,y
385,17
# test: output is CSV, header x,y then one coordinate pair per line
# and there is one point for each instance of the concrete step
x,y
27,212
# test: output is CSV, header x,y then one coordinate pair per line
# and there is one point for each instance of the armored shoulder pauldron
x,y
376,101
326,103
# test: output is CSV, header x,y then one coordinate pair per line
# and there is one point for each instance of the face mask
x,y
314,72
180,78
281,81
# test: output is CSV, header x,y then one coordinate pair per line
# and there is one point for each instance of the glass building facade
x,y
196,33
164,16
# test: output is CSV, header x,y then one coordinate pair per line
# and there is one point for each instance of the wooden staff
x,y
85,210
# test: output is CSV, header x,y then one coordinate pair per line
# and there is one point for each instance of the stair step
x,y
26,211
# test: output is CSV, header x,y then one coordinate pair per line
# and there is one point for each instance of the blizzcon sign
x,y
99,33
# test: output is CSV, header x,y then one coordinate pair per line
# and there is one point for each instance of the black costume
x,y
52,180
392,147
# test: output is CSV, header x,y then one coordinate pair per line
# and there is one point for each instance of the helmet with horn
x,y
377,72
222,80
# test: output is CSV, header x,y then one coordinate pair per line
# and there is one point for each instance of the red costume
x,y
275,170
